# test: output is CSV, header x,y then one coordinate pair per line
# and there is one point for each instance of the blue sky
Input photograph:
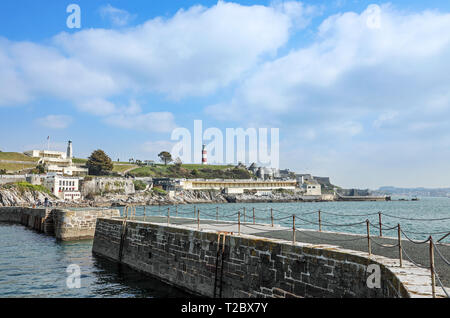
x,y
359,89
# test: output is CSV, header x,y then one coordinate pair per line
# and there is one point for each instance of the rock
x,y
14,196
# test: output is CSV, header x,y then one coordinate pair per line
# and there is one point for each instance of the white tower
x,y
204,156
69,150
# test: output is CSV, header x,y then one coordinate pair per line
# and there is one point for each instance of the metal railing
x,y
129,213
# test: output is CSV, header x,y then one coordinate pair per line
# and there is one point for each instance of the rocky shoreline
x,y
16,197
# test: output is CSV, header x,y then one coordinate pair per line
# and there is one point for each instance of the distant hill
x,y
192,171
423,192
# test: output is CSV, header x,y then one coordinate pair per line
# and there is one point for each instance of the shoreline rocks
x,y
17,197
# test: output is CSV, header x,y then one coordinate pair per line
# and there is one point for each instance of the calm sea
x,y
34,265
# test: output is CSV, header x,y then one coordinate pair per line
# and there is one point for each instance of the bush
x,y
159,191
139,185
23,186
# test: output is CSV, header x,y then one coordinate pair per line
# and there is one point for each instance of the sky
x,y
360,90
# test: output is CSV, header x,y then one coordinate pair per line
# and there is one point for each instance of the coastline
x,y
14,197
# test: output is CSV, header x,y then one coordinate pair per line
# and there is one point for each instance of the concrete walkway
x,y
418,253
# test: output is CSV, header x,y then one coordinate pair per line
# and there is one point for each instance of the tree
x,y
165,157
41,168
99,163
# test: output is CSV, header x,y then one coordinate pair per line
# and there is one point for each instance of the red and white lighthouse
x,y
204,156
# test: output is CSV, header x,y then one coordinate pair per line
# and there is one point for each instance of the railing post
x,y
293,229
400,255
168,215
217,213
271,215
369,248
379,220
245,219
176,210
433,278
144,213
195,211
254,221
239,223
320,222
198,220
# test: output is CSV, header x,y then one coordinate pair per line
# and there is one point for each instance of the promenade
x,y
416,252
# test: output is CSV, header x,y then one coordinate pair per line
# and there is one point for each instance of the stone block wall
x,y
63,224
37,219
105,185
80,224
253,267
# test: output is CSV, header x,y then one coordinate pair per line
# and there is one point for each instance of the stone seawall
x,y
65,225
79,224
253,267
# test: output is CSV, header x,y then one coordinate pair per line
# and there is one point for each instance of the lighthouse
x,y
204,156
69,150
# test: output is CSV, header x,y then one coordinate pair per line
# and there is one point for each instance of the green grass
x,y
191,171
25,186
14,167
16,156
159,191
79,160
122,167
214,167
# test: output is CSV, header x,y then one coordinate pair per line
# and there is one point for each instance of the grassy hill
x,y
16,156
188,171
15,167
191,171
121,168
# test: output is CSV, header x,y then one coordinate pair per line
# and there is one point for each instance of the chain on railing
x,y
130,212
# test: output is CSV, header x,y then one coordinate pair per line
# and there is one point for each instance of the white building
x,y
312,188
238,186
58,161
65,188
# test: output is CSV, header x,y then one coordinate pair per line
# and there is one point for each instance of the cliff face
x,y
25,197
190,197
22,197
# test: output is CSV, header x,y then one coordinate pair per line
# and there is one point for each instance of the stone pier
x,y
64,224
186,257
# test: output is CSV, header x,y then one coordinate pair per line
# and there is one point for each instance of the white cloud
x,y
193,53
55,121
376,98
153,148
352,72
117,17
385,119
161,122
96,106
346,128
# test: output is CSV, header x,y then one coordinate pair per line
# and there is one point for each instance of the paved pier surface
x,y
419,253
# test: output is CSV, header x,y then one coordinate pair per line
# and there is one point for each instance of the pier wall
x,y
65,225
253,267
